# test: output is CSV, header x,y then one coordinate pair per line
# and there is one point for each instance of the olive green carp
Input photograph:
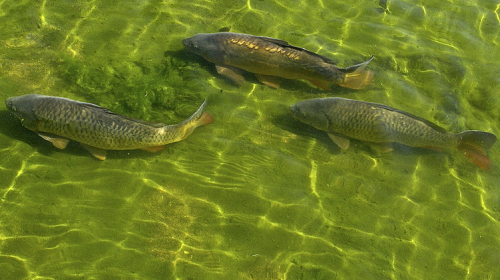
x,y
381,125
271,59
60,120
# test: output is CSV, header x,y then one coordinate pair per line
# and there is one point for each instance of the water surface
x,y
255,195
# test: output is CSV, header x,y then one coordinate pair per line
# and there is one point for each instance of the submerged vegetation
x,y
152,92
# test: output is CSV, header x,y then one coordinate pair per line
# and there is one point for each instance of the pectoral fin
x,y
231,74
342,142
153,149
30,123
59,143
271,81
96,152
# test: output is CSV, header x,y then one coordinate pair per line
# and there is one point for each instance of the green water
x,y
255,195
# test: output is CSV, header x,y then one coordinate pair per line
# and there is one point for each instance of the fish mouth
x,y
188,43
295,110
17,114
10,104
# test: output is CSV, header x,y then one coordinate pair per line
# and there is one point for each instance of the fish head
x,y
23,107
206,45
311,112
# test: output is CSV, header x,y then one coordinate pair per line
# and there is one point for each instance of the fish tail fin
x,y
356,77
205,118
197,119
473,144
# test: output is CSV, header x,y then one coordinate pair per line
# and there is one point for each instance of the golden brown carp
x,y
270,58
60,120
381,125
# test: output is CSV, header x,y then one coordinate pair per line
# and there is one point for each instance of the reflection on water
x,y
256,195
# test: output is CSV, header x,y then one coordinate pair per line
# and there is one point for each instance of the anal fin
x,y
231,73
271,81
96,152
436,149
153,149
59,143
383,148
322,84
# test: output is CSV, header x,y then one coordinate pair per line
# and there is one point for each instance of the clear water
x,y
255,195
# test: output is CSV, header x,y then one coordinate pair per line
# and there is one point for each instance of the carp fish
x,y
60,120
381,125
271,59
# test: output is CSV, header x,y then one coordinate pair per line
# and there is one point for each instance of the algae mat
x,y
255,195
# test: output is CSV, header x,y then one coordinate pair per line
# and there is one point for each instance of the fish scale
x,y
255,44
359,122
270,59
92,126
59,119
274,56
345,118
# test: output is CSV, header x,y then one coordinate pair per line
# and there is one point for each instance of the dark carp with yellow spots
x,y
381,125
60,120
270,59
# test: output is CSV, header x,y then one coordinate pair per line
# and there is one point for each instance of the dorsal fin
x,y
107,111
275,41
94,107
286,45
427,122
148,123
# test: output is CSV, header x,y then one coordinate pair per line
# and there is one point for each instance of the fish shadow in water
x,y
289,123
286,84
11,127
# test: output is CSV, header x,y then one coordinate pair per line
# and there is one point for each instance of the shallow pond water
x,y
256,194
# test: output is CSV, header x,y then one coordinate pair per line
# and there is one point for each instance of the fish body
x,y
60,120
269,58
382,125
